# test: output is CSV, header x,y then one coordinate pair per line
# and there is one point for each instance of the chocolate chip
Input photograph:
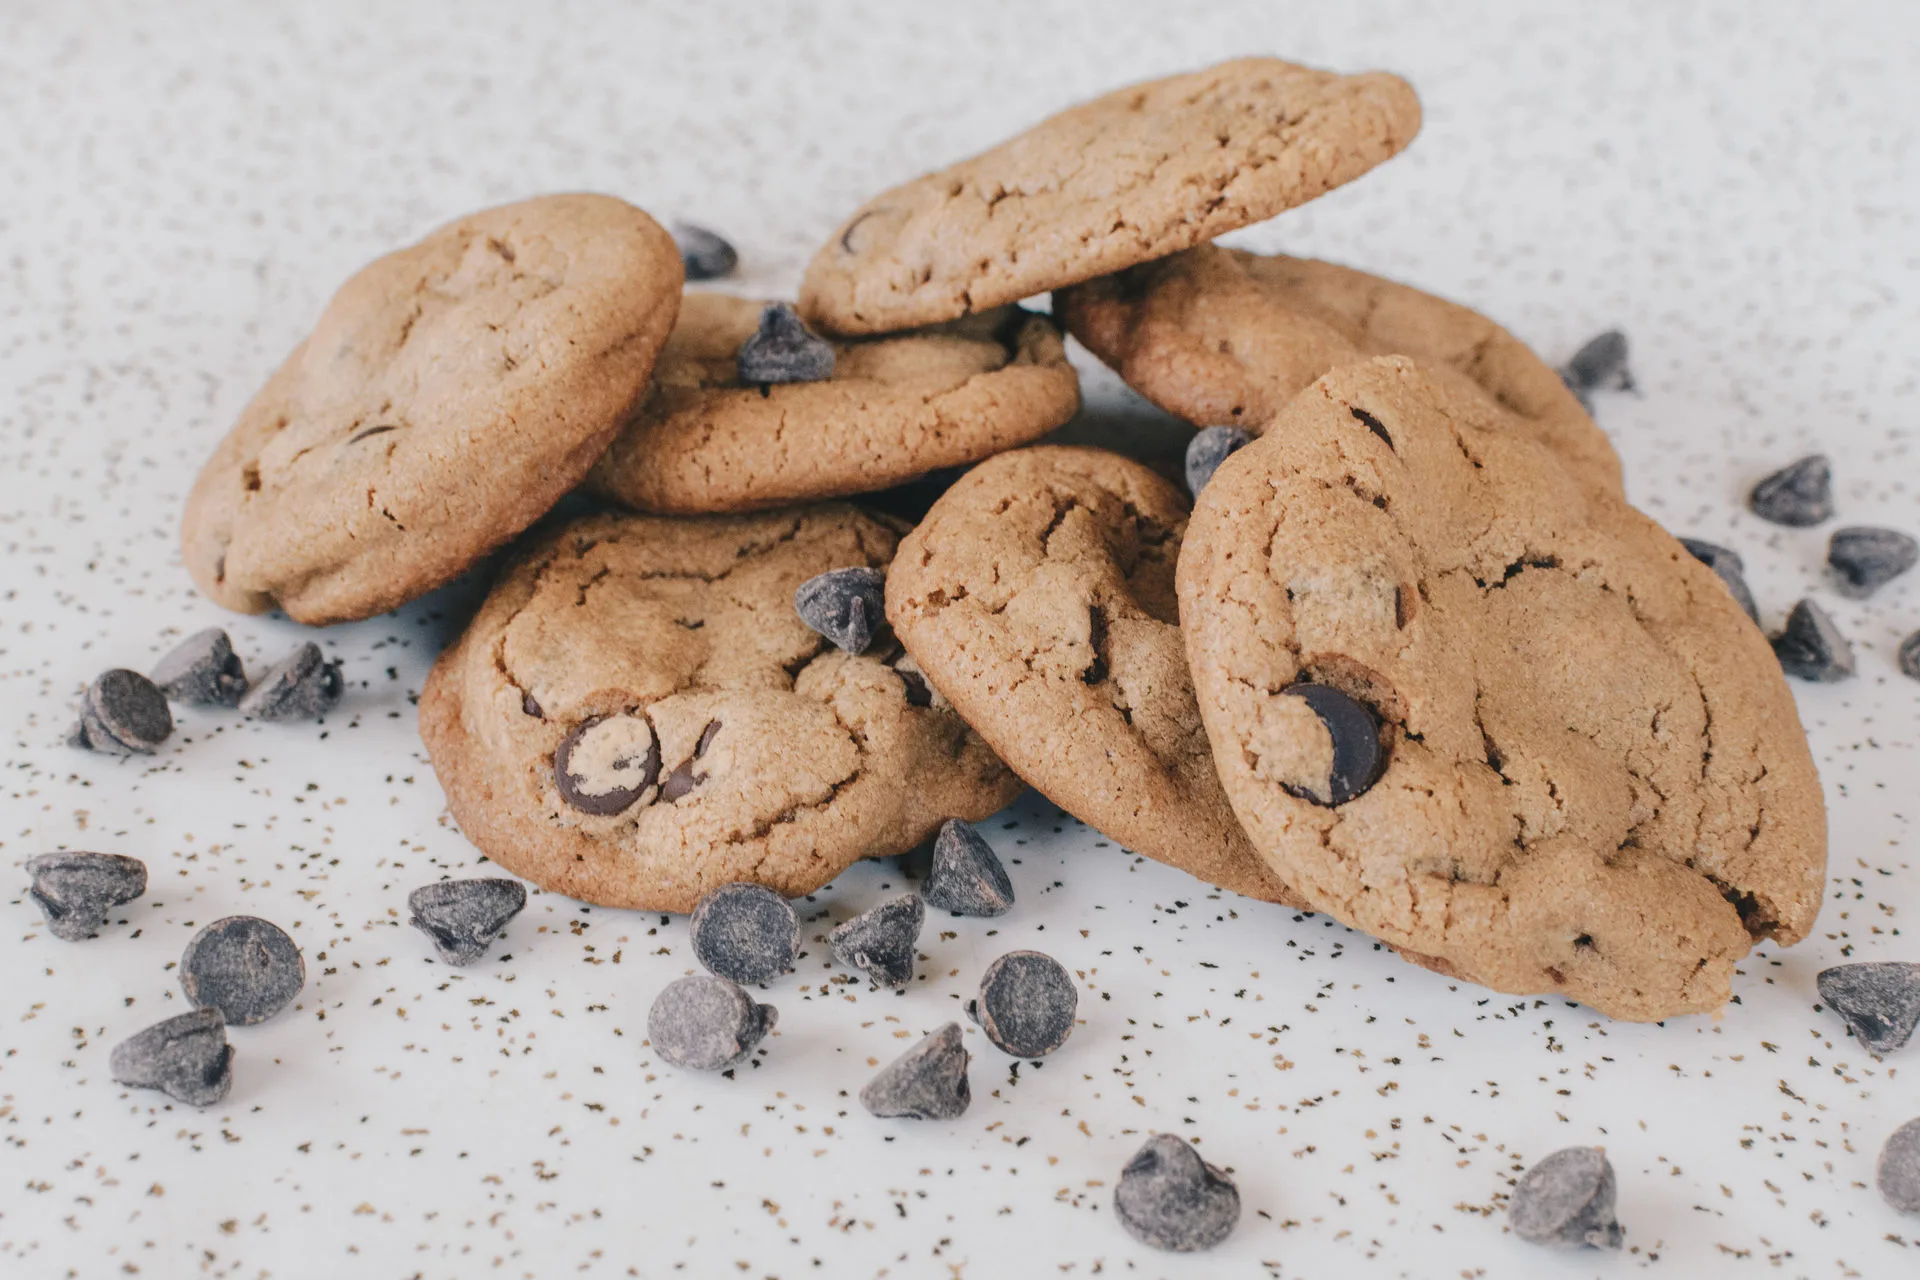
x,y
1866,559
1797,495
1026,1004
607,763
966,877
683,779
927,1082
705,1023
531,706
919,692
123,713
1898,1172
1566,1200
705,255
1210,447
1908,656
245,967
844,605
202,670
1880,1001
187,1058
76,890
783,349
1728,567
1600,364
463,917
745,932
1357,757
1811,647
880,942
301,686
1169,1198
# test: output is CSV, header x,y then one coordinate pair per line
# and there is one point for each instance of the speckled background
x,y
182,186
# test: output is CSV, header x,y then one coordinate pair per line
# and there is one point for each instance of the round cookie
x,y
1222,337
449,395
1595,784
1137,174
1037,596
895,409
637,715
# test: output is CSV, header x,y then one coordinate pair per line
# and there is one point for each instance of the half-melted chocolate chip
x,y
605,764
683,779
1355,730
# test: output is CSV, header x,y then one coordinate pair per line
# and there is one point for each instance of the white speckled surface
x,y
182,186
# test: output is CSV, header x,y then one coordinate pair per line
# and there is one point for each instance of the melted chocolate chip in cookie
x,y
1355,731
605,764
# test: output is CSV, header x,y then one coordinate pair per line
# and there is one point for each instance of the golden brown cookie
x,y
895,409
449,395
1137,174
1223,338
637,715
1037,596
1594,781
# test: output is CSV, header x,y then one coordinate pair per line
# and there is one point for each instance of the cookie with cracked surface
x,y
637,715
895,409
1222,337
450,394
1142,172
1037,597
1591,780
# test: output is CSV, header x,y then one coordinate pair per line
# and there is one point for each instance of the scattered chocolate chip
x,y
1811,647
1908,656
301,686
202,670
783,349
1600,364
966,877
1728,567
1898,1172
1210,447
927,1082
1169,1198
1026,1004
705,1023
463,917
187,1058
880,942
705,255
1357,757
245,967
1866,559
1797,495
745,932
123,713
844,605
77,890
607,763
683,779
1880,1001
1566,1200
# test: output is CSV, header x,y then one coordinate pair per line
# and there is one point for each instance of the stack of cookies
x,y
1410,659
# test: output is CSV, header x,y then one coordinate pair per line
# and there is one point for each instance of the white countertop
x,y
181,188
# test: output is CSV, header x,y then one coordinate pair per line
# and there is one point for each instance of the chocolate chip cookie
x,y
893,409
1137,174
637,715
1221,337
449,395
1037,596
1588,776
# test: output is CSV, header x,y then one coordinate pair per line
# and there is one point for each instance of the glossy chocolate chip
x,y
463,917
123,713
783,349
1566,1200
927,1082
186,1057
880,943
1865,559
77,891
1811,647
1169,1198
703,253
684,777
301,686
1210,447
706,1023
1357,755
604,765
1798,495
745,932
246,967
1728,567
202,670
844,605
1026,1004
1880,1001
966,877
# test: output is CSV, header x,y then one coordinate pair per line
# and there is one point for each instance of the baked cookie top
x,y
449,395
894,409
1137,174
1037,596
637,715
1222,337
1595,783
